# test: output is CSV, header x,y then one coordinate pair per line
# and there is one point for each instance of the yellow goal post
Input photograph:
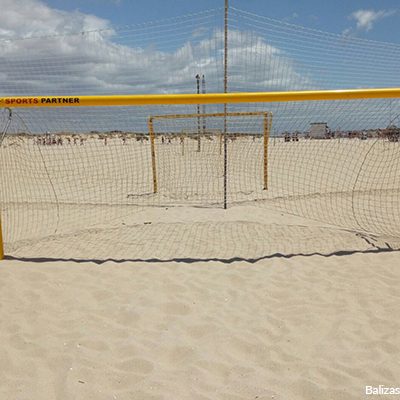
x,y
267,123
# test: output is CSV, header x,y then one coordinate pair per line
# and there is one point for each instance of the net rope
x,y
78,179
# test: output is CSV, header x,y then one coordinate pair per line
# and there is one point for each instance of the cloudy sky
x,y
121,46
370,19
159,46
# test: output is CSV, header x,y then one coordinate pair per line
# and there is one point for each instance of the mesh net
x,y
213,149
165,56
79,182
64,182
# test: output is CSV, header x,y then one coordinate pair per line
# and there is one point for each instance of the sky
x,y
369,19
124,54
130,56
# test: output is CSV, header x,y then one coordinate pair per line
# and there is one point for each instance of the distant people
x,y
75,141
82,141
105,141
162,139
124,140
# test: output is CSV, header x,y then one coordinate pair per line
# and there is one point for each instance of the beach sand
x,y
303,327
188,302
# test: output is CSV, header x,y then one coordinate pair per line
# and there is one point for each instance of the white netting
x,y
73,173
165,56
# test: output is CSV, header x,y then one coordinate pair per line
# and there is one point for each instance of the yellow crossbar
x,y
267,116
209,98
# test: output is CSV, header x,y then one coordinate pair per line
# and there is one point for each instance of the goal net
x,y
69,175
216,153
103,177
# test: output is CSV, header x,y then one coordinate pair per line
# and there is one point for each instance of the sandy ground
x,y
202,304
305,327
102,298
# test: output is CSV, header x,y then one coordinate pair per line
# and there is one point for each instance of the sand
x,y
282,328
101,298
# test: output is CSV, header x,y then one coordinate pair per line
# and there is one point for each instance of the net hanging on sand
x,y
69,180
72,171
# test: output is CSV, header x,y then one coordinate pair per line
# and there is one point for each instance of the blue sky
x,y
382,23
164,57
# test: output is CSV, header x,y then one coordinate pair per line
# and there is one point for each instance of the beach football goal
x,y
90,165
233,126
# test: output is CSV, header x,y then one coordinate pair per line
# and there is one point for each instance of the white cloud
x,y
28,18
365,19
137,61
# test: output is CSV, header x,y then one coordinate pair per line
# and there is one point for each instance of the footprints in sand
x,y
276,331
